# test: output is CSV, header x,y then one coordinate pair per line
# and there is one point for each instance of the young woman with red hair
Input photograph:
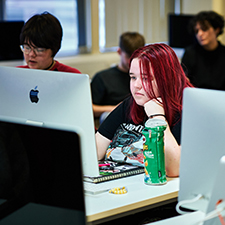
x,y
157,82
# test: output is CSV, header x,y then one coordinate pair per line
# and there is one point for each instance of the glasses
x,y
27,49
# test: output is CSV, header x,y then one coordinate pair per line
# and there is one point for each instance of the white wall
x,y
194,6
91,63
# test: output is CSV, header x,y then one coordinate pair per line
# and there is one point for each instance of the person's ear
x,y
119,51
217,31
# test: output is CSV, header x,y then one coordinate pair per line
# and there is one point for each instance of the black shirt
x,y
110,87
121,116
205,69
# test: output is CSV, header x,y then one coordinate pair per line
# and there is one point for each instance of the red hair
x,y
161,62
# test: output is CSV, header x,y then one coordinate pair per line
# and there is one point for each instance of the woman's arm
x,y
102,145
172,149
172,154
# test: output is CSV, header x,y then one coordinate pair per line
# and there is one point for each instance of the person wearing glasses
x,y
40,40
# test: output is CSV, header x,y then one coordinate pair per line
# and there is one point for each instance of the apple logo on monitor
x,y
34,95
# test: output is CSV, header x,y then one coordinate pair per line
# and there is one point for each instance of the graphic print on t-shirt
x,y
127,145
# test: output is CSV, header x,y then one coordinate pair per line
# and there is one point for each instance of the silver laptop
x,y
202,144
48,99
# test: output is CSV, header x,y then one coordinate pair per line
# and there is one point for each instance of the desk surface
x,y
139,197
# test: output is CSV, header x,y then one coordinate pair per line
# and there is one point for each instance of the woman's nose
x,y
138,83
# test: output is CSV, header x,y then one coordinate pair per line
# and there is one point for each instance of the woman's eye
x,y
144,78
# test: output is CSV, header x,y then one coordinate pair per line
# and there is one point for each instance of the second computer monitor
x,y
202,144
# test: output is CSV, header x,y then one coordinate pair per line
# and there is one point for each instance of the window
x,y
64,10
148,17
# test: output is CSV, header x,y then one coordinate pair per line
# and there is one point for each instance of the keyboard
x,y
92,188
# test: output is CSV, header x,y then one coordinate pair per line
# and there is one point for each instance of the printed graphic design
x,y
127,145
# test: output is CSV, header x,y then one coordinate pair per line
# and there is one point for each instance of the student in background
x,y
40,40
204,62
157,82
109,87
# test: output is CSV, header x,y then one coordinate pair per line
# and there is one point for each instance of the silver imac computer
x,y
217,200
202,145
48,99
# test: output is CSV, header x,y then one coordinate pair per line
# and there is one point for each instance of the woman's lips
x,y
138,94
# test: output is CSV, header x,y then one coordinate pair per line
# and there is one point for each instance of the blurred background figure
x,y
111,86
203,62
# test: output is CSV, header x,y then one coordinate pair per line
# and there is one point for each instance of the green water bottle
x,y
153,150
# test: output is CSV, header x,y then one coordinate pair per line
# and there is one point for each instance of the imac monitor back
x,y
218,194
48,99
40,175
202,144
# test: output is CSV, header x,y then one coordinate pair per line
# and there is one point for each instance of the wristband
x,y
151,116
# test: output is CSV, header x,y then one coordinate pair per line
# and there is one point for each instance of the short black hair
x,y
44,31
206,18
130,41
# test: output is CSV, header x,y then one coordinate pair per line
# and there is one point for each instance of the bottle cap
x,y
154,122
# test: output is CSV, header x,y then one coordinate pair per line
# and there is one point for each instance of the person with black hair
x,y
40,40
203,62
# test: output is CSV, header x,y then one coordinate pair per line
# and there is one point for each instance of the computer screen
x,y
202,144
10,40
42,166
51,98
178,34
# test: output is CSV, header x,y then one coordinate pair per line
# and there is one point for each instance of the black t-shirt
x,y
205,69
120,116
110,87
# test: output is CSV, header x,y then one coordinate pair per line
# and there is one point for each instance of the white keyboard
x,y
91,188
